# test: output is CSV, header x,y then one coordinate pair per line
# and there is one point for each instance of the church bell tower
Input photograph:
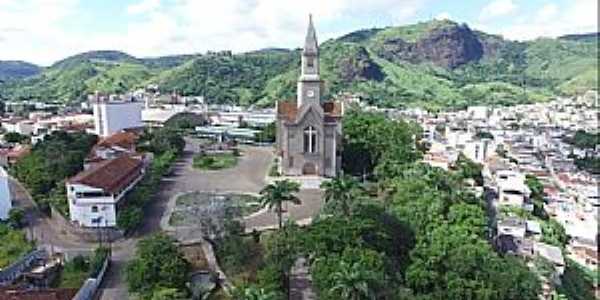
x,y
309,83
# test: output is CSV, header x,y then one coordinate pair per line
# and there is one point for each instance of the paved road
x,y
247,176
301,282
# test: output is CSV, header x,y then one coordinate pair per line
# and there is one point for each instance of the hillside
x,y
433,64
11,70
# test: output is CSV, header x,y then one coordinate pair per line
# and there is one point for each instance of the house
x,y
18,125
509,244
12,155
94,195
584,252
512,189
5,196
512,226
551,253
534,228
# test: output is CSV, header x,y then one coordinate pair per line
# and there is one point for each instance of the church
x,y
309,130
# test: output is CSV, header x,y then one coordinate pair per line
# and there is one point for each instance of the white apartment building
x,y
479,150
111,117
94,195
5,196
20,126
512,189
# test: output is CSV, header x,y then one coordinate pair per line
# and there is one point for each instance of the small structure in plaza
x,y
309,131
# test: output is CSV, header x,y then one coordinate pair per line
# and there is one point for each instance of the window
x,y
310,62
94,209
310,140
291,161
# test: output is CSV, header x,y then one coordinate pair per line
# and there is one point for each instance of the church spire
x,y
311,45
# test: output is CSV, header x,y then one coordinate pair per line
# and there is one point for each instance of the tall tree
x,y
341,192
275,194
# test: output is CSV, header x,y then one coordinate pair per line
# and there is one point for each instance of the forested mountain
x,y
10,70
434,64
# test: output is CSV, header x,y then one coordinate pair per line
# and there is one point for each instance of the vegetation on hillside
x,y
14,245
157,268
394,66
419,234
59,156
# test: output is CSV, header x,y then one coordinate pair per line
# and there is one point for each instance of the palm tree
x,y
275,194
341,191
353,281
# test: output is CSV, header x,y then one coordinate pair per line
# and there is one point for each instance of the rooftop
x,y
111,175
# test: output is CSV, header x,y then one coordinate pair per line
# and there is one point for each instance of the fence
x,y
90,286
14,271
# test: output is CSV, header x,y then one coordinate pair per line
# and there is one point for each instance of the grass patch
x,y
14,245
77,270
215,161
240,257
74,273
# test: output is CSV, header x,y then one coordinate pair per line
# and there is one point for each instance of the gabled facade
x,y
309,131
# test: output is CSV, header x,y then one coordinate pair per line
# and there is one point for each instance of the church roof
x,y
311,44
288,110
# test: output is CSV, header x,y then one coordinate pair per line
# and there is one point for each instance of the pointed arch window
x,y
310,140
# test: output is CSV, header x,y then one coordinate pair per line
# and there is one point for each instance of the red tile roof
x,y
111,175
122,139
288,110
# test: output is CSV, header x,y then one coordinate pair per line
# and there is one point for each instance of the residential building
x,y
95,194
551,253
511,187
512,226
112,116
309,131
18,125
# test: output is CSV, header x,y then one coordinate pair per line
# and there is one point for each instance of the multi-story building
x,y
112,116
95,194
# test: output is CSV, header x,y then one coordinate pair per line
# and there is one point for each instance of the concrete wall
x,y
90,286
14,271
88,234
110,118
5,196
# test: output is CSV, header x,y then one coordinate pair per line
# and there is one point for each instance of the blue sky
x,y
43,31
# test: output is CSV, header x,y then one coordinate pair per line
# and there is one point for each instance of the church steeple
x,y
309,84
310,44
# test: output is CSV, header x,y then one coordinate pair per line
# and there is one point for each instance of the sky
x,y
44,31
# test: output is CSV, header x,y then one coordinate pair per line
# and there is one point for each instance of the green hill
x,y
10,70
433,64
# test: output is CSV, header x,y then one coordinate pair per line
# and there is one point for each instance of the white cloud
x,y
188,26
443,16
143,6
580,16
31,29
497,8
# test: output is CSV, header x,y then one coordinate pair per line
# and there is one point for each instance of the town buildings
x,y
309,130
